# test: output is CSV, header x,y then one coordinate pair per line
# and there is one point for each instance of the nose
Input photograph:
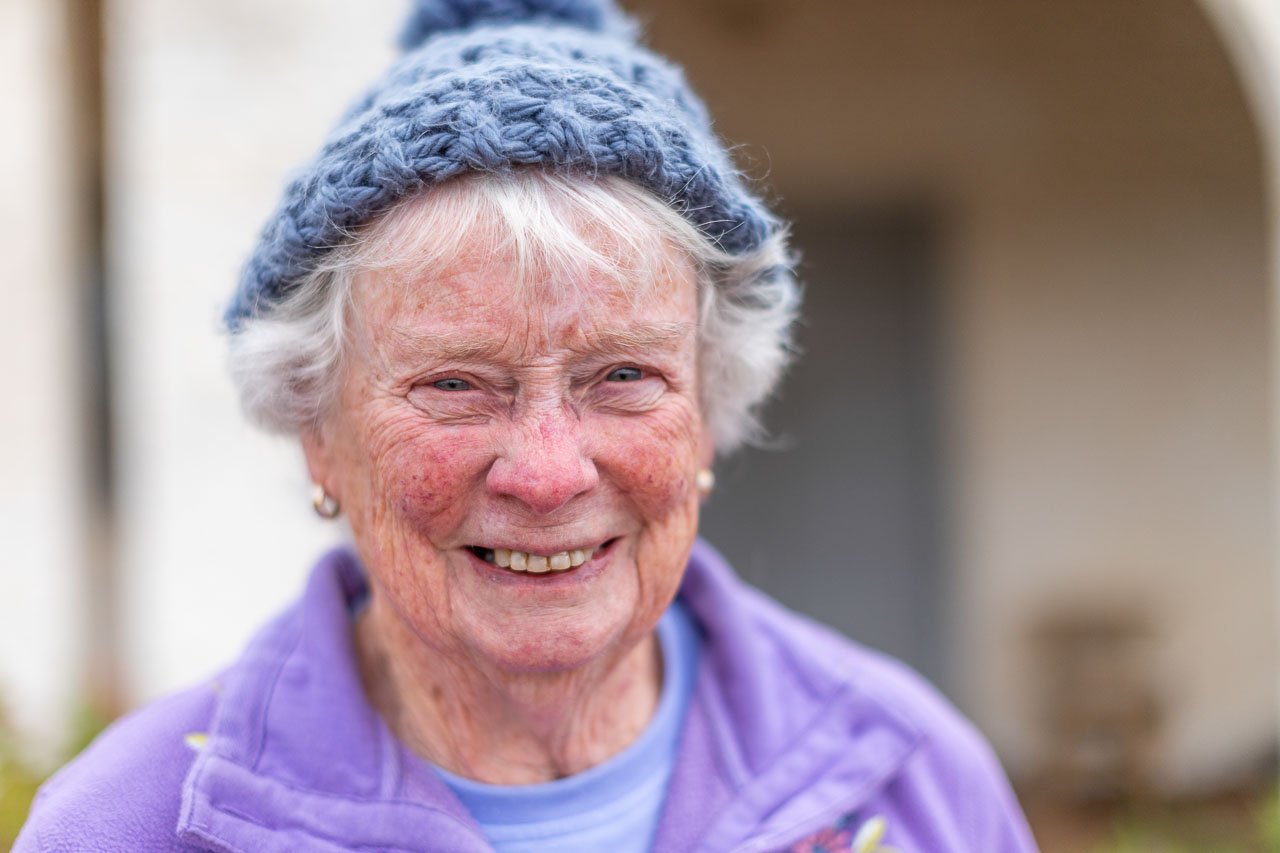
x,y
542,464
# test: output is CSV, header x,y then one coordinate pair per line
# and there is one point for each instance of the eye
x,y
625,374
452,384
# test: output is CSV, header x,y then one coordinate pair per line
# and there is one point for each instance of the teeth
x,y
521,561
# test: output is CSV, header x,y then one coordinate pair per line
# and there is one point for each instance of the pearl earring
x,y
325,504
705,480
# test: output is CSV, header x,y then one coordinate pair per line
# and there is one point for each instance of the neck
x,y
505,728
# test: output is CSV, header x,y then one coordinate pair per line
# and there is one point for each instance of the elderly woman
x,y
512,311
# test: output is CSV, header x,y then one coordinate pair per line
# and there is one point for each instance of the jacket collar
x,y
298,759
791,726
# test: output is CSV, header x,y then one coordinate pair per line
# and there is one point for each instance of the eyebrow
x,y
633,338
412,343
639,336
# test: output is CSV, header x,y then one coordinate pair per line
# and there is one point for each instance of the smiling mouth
x,y
522,561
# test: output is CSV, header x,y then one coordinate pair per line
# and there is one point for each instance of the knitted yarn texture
x,y
494,85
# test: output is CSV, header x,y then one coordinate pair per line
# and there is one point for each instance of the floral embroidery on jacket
x,y
845,836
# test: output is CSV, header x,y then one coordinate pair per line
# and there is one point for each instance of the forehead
x,y
493,295
532,251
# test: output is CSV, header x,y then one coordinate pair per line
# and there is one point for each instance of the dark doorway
x,y
842,519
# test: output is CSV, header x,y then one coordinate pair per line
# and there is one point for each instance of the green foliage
x,y
87,723
1269,822
1176,830
18,785
19,779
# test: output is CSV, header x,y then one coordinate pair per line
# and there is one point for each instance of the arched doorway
x,y
1097,419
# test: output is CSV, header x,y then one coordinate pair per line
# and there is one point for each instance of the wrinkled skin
x,y
541,419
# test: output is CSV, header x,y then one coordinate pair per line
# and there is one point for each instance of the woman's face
x,y
477,417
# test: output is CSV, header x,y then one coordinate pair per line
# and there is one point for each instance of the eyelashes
x,y
625,374
623,388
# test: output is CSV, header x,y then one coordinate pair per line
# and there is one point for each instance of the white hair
x,y
288,361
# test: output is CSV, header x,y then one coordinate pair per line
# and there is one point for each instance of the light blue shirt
x,y
614,806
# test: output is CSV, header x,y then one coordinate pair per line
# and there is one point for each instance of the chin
x,y
552,642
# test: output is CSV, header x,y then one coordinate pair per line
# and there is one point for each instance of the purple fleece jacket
x,y
794,739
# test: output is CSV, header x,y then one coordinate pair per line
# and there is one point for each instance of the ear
x,y
316,449
706,448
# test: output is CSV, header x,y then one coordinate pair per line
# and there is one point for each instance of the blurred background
x,y
1031,446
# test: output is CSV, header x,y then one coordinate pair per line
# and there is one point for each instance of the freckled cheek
x,y
425,479
652,463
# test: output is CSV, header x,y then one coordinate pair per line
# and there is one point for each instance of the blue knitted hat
x,y
492,85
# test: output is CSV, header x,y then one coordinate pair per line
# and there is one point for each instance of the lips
x,y
534,563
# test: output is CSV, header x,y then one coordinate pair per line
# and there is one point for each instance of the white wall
x,y
1113,440
213,103
42,497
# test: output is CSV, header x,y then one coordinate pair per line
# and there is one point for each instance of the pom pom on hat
x,y
429,17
